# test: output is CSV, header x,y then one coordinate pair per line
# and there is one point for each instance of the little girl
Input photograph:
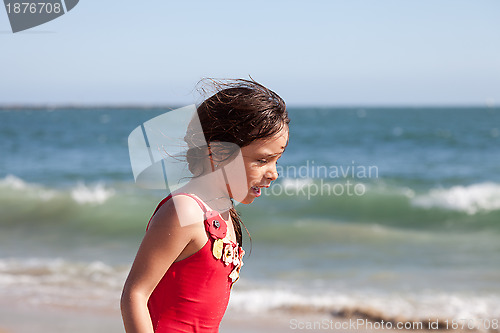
x,y
191,253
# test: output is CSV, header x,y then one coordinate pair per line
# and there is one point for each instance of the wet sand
x,y
18,318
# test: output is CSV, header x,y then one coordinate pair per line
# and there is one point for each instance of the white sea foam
x,y
59,282
80,193
296,183
472,199
31,189
91,194
419,306
13,182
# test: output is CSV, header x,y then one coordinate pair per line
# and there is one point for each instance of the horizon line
x,y
53,106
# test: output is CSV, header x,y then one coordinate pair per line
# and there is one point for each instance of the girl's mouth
x,y
256,191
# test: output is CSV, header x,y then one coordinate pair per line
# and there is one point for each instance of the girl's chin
x,y
248,199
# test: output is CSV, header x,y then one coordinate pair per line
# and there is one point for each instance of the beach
x,y
22,319
379,213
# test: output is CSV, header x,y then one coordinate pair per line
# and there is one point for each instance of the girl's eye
x,y
262,161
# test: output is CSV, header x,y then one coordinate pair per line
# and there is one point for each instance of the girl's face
x,y
259,159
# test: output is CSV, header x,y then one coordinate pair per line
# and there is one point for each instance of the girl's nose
x,y
272,174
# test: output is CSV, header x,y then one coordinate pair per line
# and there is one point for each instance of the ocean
x,y
393,211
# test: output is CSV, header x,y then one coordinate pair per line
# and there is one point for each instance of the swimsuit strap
x,y
200,203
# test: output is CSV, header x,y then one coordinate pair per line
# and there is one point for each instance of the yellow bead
x,y
217,248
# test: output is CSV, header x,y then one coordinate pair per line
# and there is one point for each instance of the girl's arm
x,y
167,237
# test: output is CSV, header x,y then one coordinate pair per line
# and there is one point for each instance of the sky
x,y
315,53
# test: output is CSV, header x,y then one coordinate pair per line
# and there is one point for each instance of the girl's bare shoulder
x,y
179,212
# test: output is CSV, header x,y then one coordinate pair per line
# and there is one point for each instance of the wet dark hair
x,y
239,112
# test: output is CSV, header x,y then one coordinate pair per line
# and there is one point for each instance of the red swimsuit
x,y
193,294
